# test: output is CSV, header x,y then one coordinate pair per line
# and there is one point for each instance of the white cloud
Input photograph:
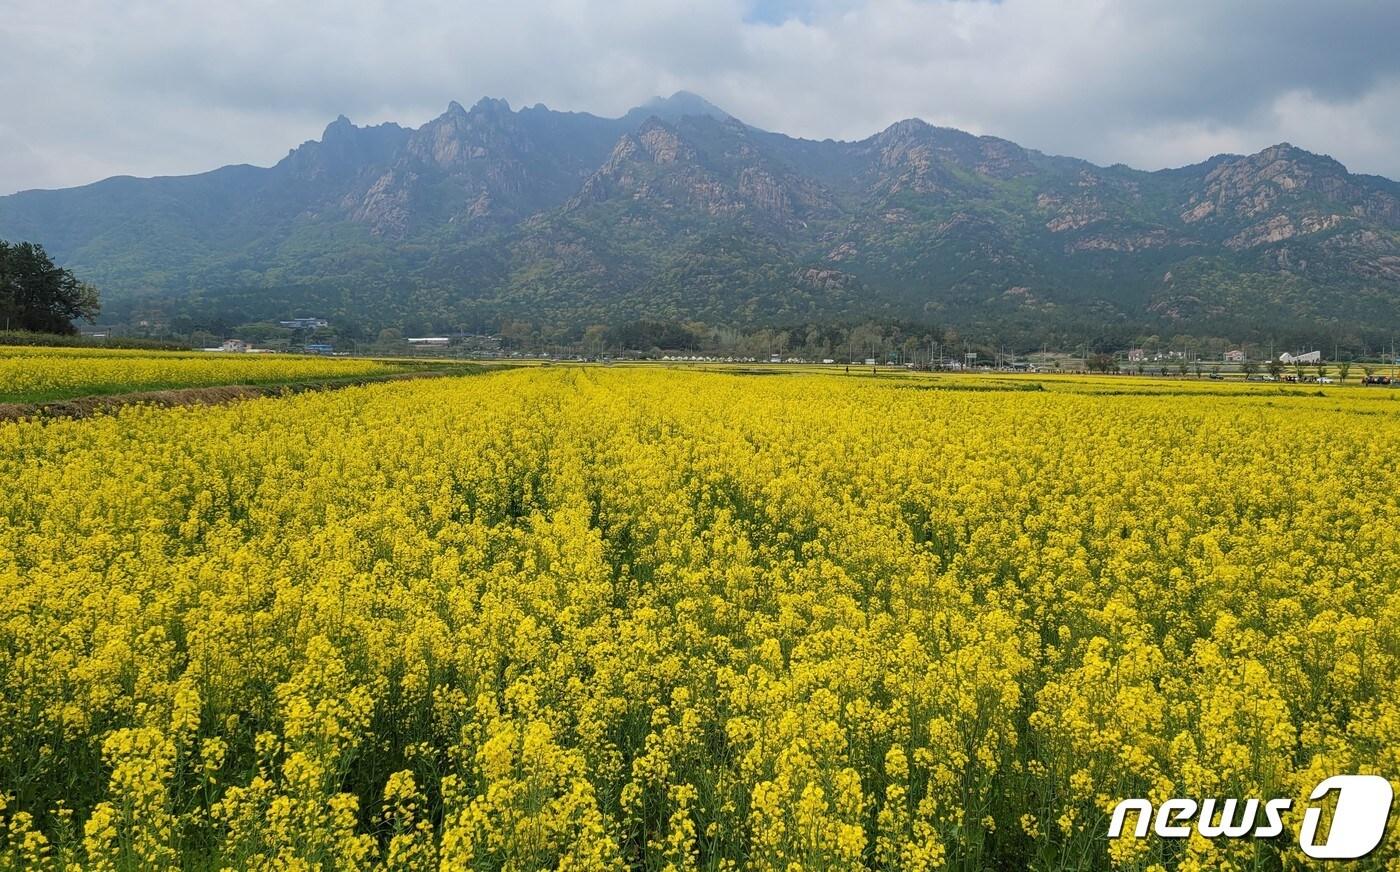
x,y
159,86
1363,133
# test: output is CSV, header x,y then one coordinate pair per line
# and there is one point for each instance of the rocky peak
x,y
675,107
902,136
662,144
921,146
905,158
1255,186
458,135
1001,159
441,141
1286,151
491,106
344,148
654,142
340,128
902,132
1289,165
659,166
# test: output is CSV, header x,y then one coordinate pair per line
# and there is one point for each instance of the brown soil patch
x,y
85,407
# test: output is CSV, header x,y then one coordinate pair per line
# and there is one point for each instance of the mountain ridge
x,y
679,210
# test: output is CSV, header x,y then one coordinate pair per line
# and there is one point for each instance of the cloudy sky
x,y
150,87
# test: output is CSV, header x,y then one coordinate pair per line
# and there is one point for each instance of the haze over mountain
x,y
678,210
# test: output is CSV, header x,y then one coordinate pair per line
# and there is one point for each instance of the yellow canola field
x,y
40,374
647,619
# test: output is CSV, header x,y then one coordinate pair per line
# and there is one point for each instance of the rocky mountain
x,y
679,210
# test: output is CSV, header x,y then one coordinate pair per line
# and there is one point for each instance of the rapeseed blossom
x,y
38,373
603,619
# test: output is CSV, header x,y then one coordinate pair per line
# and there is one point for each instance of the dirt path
x,y
84,407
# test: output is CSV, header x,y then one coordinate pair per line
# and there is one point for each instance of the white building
x,y
305,323
1306,357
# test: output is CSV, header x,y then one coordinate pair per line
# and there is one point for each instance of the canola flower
x,y
593,619
37,374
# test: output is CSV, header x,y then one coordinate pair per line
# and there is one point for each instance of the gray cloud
x,y
158,86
